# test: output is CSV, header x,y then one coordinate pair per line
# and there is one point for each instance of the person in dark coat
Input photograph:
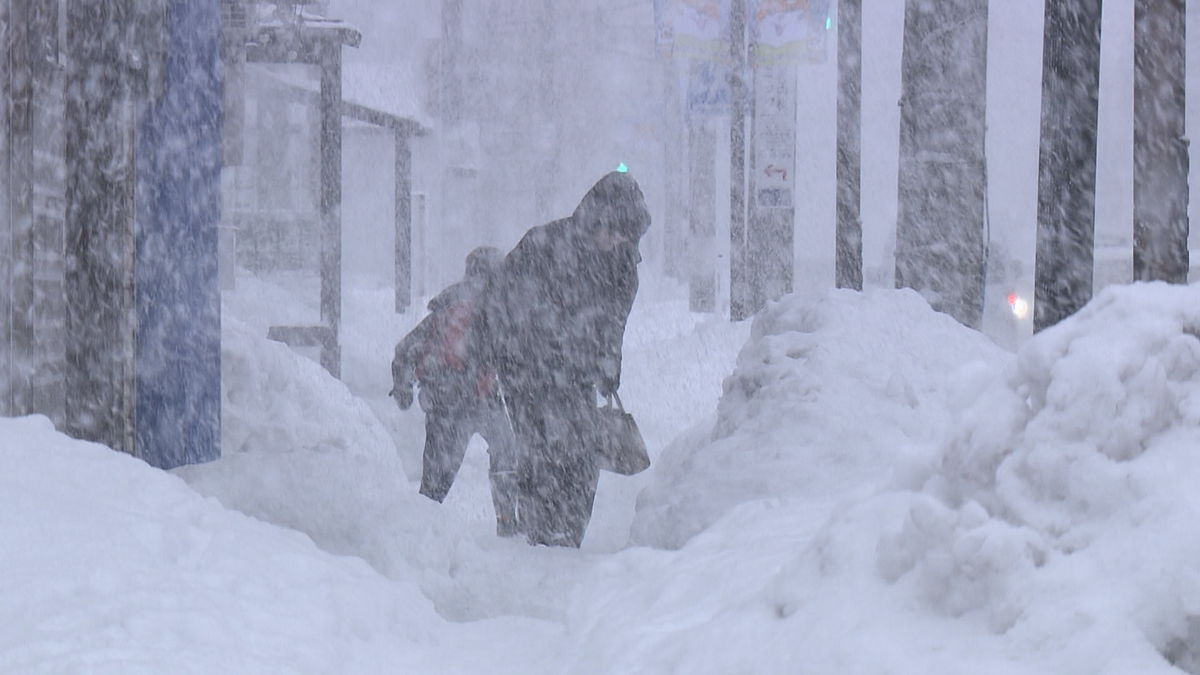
x,y
551,322
458,399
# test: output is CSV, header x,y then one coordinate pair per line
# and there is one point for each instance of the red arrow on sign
x,y
772,169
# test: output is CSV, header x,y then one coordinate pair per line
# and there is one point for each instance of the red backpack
x,y
445,348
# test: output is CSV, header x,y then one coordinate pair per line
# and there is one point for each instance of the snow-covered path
x,y
675,363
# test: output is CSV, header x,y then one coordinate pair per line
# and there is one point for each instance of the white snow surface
x,y
865,487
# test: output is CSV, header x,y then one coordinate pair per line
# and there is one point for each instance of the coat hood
x,y
482,263
616,201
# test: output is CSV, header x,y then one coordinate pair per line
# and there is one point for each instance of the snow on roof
x,y
392,88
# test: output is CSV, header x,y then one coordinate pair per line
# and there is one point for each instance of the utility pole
x,y
741,303
33,333
330,149
99,238
1067,160
1160,151
849,263
941,224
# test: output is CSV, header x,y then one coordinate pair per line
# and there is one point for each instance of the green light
x,y
621,168
828,23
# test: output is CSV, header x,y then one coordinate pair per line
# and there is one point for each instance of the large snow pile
x,y
830,391
110,566
1054,529
1065,502
298,449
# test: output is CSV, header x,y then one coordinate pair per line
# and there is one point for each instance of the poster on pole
x,y
789,31
708,88
770,238
774,139
695,29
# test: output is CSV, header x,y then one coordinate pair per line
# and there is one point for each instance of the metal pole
x,y
740,301
849,263
403,198
331,204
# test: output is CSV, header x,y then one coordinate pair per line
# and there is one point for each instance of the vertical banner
x,y
726,41
697,32
782,33
770,233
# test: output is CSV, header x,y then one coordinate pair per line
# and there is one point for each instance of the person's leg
x,y
496,429
446,437
530,438
575,478
559,479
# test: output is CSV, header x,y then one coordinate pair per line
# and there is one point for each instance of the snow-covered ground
x,y
852,484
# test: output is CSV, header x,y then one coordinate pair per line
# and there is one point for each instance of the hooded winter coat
x,y
551,322
554,316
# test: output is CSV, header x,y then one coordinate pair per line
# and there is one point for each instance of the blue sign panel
x,y
178,340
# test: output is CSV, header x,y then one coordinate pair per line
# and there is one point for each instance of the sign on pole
x,y
770,232
729,43
697,29
789,31
782,33
708,89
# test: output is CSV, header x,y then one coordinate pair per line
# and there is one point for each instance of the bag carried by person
x,y
618,441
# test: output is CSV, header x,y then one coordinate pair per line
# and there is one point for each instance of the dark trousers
x,y
447,433
556,471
